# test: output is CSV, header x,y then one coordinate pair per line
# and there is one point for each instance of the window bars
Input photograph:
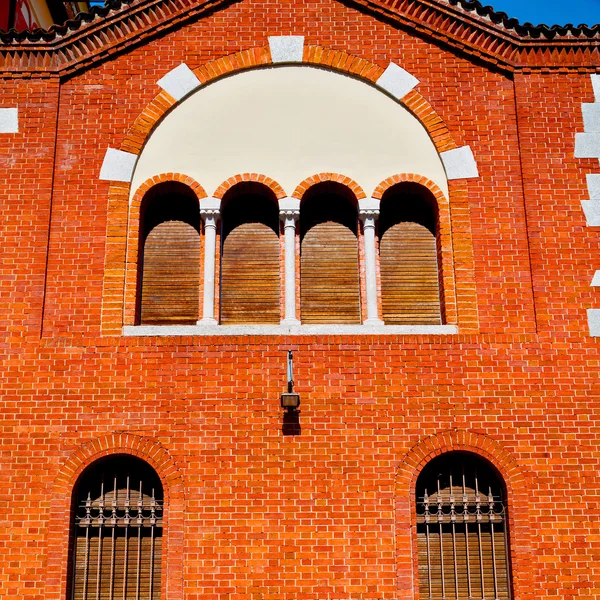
x,y
461,531
118,540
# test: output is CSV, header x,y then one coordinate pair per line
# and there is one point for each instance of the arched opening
x,y
250,256
329,275
169,276
462,530
116,531
410,281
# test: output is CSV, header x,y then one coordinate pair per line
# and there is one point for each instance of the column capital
x,y
210,208
289,208
368,207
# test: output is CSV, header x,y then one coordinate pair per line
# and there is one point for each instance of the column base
x,y
207,321
291,322
373,322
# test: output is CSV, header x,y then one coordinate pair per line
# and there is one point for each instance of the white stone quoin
x,y
209,211
9,120
368,210
289,212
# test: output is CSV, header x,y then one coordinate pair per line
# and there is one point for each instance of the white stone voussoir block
x,y
587,145
591,208
9,120
179,82
596,279
286,48
460,163
118,165
396,81
594,321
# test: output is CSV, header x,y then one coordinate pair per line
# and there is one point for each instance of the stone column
x,y
209,211
368,210
289,213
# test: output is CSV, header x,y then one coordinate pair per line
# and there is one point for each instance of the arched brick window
x,y
462,530
408,252
169,276
250,256
329,276
117,531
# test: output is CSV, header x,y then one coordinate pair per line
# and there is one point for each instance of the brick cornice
x,y
460,24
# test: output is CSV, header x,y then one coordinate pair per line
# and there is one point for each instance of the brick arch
x,y
515,479
252,177
333,60
167,178
390,182
59,529
302,187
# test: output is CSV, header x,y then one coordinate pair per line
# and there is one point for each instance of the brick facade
x,y
329,513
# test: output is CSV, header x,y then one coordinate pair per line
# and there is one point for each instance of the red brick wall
x,y
328,513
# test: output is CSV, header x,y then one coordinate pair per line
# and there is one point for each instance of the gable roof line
x,y
462,24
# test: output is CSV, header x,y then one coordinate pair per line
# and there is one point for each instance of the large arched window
x,y
170,256
462,530
117,531
250,256
410,290
329,275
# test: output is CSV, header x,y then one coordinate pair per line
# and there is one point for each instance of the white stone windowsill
x,y
286,329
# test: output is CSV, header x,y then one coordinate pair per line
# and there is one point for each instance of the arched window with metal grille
x,y
117,531
462,530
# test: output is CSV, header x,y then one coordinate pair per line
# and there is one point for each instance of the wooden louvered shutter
x,y
171,275
250,281
128,560
329,278
409,276
463,551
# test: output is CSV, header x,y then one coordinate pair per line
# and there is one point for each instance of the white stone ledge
x,y
9,120
179,82
594,321
287,329
286,48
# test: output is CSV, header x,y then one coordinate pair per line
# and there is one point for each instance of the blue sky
x,y
550,12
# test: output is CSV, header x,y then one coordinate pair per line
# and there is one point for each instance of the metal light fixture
x,y
290,400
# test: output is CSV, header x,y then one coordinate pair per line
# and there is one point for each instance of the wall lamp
x,y
290,401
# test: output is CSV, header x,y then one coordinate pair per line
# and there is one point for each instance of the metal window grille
x,y
462,531
118,533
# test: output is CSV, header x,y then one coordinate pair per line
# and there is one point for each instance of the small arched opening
x,y
329,273
250,256
169,274
410,280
